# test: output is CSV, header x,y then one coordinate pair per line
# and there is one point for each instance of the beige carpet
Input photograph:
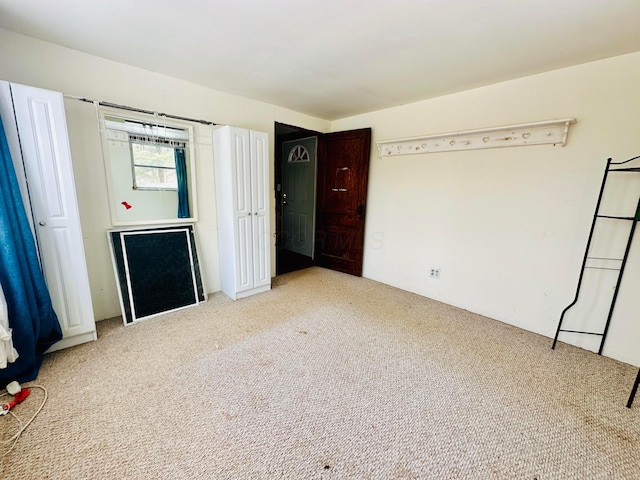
x,y
328,376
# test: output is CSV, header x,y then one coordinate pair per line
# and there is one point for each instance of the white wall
x,y
32,62
508,227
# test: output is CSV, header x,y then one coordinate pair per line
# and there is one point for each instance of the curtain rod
x,y
138,110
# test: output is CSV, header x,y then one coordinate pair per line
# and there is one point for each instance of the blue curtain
x,y
31,316
183,188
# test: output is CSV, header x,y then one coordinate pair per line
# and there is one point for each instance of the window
x,y
153,163
298,154
150,168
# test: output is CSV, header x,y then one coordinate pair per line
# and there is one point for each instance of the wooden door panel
x,y
348,218
341,242
342,193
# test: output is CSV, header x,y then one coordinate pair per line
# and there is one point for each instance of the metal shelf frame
x,y
610,168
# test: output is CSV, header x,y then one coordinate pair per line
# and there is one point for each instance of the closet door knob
x,y
42,224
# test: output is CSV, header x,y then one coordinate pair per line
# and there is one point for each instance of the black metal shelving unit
x,y
632,395
612,167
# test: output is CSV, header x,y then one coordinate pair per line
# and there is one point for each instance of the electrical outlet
x,y
434,273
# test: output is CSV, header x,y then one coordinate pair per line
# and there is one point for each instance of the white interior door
x,y
298,194
46,155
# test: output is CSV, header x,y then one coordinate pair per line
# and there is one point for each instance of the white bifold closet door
x,y
44,168
241,160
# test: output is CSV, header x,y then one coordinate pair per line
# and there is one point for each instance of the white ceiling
x,y
336,58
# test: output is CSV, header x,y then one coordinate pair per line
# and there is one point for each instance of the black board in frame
x,y
157,270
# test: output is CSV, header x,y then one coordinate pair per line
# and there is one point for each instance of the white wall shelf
x,y
537,133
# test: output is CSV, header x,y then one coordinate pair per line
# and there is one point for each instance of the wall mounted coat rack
x,y
537,133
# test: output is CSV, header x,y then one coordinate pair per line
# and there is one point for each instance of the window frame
x,y
112,129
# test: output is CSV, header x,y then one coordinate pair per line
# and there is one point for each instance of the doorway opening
x,y
321,193
295,186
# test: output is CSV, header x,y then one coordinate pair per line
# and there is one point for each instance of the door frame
x,y
285,133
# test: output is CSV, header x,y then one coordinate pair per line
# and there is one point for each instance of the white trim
x,y
536,133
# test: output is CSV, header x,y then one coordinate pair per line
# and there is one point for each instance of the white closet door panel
x,y
48,173
260,172
260,199
241,171
244,257
261,252
58,272
241,154
47,159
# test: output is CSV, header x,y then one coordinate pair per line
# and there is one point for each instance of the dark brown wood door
x,y
343,171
